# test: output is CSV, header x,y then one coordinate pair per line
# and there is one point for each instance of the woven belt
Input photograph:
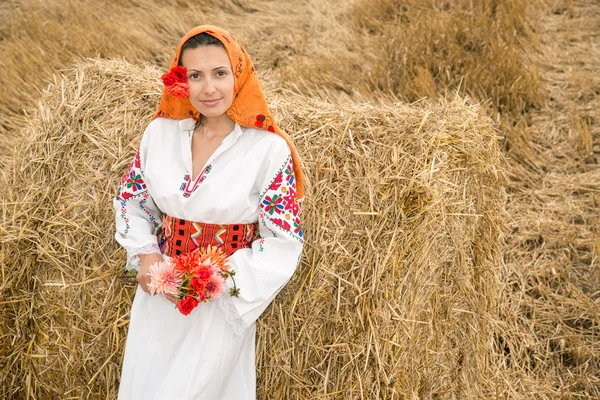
x,y
179,236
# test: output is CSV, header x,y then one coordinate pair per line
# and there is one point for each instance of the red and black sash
x,y
180,236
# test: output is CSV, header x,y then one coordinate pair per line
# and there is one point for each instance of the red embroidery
x,y
277,182
279,202
284,224
291,202
272,204
132,182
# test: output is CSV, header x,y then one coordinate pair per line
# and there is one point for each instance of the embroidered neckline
x,y
188,187
188,125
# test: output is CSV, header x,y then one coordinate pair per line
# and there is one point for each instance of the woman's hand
x,y
143,275
172,299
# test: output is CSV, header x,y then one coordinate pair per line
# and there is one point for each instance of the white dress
x,y
208,354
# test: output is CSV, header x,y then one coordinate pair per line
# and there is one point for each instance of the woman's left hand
x,y
171,298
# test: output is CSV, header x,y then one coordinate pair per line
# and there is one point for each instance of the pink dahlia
x,y
164,279
215,286
205,270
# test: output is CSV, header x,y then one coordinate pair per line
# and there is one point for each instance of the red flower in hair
x,y
168,79
179,73
179,90
175,82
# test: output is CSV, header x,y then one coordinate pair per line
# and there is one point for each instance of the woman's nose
x,y
209,86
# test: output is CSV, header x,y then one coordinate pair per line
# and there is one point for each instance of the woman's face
x,y
210,79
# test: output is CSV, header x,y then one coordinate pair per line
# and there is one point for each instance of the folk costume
x,y
250,185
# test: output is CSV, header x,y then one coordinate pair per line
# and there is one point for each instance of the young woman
x,y
212,168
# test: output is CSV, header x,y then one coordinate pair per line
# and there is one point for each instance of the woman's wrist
x,y
152,257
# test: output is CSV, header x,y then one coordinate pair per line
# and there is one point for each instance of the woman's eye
x,y
194,76
221,73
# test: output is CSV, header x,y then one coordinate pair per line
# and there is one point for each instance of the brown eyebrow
x,y
214,69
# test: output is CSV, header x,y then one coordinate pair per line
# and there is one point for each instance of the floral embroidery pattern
x,y
297,228
273,204
291,201
279,202
124,216
188,187
151,217
135,181
282,223
132,183
289,174
133,187
277,182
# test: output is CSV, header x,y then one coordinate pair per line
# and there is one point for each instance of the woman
x,y
212,167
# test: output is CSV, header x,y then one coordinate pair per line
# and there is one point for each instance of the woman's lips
x,y
210,102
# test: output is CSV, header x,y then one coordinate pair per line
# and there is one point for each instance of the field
x,y
503,94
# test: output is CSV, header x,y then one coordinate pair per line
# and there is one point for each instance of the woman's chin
x,y
211,112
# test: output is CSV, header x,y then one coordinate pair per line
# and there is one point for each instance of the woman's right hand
x,y
143,275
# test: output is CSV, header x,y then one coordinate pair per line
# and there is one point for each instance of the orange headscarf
x,y
249,107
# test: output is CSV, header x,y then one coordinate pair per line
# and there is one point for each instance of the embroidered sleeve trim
x,y
132,183
133,261
232,316
276,178
285,226
133,187
279,202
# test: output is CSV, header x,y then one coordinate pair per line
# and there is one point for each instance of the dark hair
x,y
201,39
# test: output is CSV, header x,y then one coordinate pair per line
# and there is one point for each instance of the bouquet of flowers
x,y
193,278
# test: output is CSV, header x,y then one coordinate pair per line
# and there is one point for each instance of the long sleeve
x,y
264,269
136,215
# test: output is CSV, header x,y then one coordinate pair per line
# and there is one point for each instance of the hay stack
x,y
396,293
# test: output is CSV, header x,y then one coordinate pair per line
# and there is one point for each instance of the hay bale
x,y
65,314
396,293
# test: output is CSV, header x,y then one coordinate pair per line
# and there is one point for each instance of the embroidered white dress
x,y
208,354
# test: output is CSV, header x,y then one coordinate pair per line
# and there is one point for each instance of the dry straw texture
x,y
397,292
410,49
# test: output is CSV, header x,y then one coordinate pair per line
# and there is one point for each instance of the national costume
x,y
245,201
